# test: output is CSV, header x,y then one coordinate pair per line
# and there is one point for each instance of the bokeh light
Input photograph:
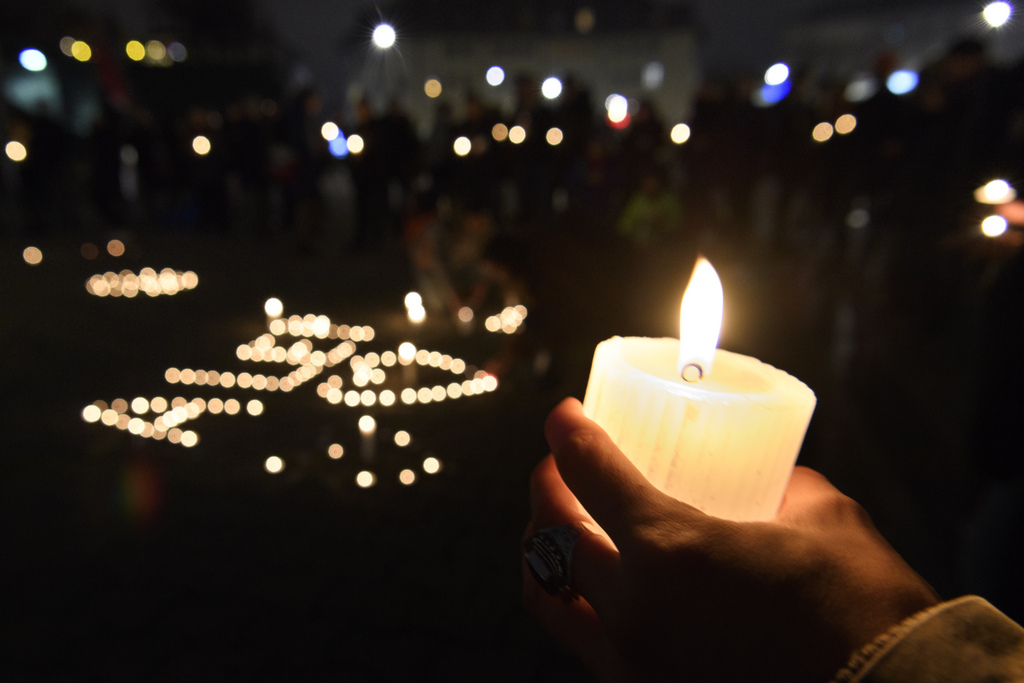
x,y
273,464
384,36
845,124
135,50
402,438
431,465
366,479
996,191
432,88
462,145
551,88
994,226
81,51
155,50
115,248
329,130
617,107
901,82
32,59
407,477
516,134
15,151
499,132
822,131
335,451
355,144
176,51
32,255
367,425
680,133
862,88
997,13
201,145
554,136
495,75
65,45
254,407
776,74
273,307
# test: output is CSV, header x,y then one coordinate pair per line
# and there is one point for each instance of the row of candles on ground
x,y
147,281
508,321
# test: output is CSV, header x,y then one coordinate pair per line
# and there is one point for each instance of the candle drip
x,y
692,372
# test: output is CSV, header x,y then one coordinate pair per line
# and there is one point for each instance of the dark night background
x,y
855,263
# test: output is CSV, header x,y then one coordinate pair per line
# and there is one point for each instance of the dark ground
x,y
128,558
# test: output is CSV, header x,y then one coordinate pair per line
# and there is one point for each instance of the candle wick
x,y
692,372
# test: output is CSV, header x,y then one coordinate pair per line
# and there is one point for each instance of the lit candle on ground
x,y
407,359
368,431
714,429
273,308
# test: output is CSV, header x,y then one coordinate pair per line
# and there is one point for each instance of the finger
x,y
574,625
595,562
608,485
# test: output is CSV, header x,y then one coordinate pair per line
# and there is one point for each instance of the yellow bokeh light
x,y
189,438
215,406
387,398
432,88
81,51
335,451
232,406
554,136
996,191
91,413
355,144
366,479
845,124
273,464
822,131
431,465
109,417
329,131
32,255
402,438
367,425
254,407
407,477
424,395
140,406
680,133
462,145
201,145
155,50
135,50
368,398
119,405
408,396
499,132
273,307
15,151
516,134
136,425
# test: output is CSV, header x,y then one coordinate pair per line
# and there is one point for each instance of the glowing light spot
x,y
465,314
845,124
329,131
136,425
413,299
424,395
462,145
822,132
15,151
335,451
490,383
189,438
653,75
417,314
406,353
172,375
32,59
438,393
135,50
387,398
422,356
551,87
408,396
355,144
997,13
495,76
384,36
388,359
366,479
81,51
177,52
432,88
516,134
368,398
254,407
273,307
140,406
352,398
91,413
215,406
554,136
338,147
454,390
861,88
201,145
155,50
617,107
402,438
993,226
767,95
407,477
32,255
65,45
232,406
995,192
901,82
776,74
499,132
109,417
431,465
227,379
680,133
492,323
273,464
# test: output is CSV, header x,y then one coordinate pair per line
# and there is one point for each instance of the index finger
x,y
602,478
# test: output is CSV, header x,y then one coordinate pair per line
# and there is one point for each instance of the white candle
x,y
723,441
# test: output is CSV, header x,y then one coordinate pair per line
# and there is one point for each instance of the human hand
x,y
669,593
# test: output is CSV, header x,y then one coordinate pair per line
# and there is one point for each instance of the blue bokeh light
x,y
338,146
901,82
32,59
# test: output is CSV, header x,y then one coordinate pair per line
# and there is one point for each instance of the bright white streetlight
x,y
495,75
384,36
997,13
551,88
776,74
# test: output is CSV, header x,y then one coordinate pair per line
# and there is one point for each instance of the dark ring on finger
x,y
549,556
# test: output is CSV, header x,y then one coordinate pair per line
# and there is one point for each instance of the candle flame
x,y
700,321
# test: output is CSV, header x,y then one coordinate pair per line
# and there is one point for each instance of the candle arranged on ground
x,y
718,430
